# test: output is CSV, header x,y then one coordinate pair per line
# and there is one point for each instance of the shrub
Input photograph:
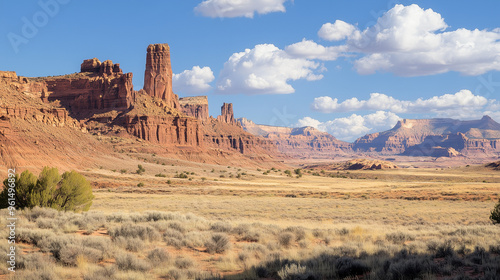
x,y
221,227
181,176
285,239
69,254
101,273
137,231
33,261
183,263
45,273
399,237
130,262
140,185
123,171
158,256
69,192
130,244
218,243
495,214
161,175
140,169
292,272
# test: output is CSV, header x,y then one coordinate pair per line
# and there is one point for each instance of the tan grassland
x,y
228,222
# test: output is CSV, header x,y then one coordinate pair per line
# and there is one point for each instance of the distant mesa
x,y
435,138
302,142
356,164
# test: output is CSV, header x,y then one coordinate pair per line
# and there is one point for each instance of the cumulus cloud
x,y
238,8
336,31
352,127
194,81
265,69
411,41
463,104
312,50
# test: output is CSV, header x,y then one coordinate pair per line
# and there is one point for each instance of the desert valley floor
x,y
185,220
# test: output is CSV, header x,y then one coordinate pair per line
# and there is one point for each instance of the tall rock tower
x,y
227,115
158,74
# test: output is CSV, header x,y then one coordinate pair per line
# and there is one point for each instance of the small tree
x,y
45,188
69,192
495,214
24,183
75,193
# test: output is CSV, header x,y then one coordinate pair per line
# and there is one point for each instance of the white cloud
x,y
337,31
411,41
239,8
265,69
194,81
463,104
311,50
352,127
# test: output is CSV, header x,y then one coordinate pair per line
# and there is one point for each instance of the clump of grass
x,y
143,232
132,244
285,239
158,256
130,262
101,273
183,262
399,237
218,243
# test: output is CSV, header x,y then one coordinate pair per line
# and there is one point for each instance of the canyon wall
x,y
196,106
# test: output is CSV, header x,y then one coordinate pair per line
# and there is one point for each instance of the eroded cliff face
x,y
196,106
158,74
436,138
165,130
99,87
225,133
303,142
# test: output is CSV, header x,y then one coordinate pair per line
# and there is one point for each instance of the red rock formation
x,y
227,115
196,106
51,116
435,137
83,93
158,74
166,130
355,164
228,136
303,142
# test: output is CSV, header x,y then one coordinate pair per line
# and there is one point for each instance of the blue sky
x,y
345,67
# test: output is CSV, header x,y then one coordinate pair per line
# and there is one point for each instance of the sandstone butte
x,y
101,99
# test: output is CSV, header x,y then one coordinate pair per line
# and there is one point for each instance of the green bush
x,y
495,214
69,192
140,169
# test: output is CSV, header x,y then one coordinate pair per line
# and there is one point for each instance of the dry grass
x,y
250,227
